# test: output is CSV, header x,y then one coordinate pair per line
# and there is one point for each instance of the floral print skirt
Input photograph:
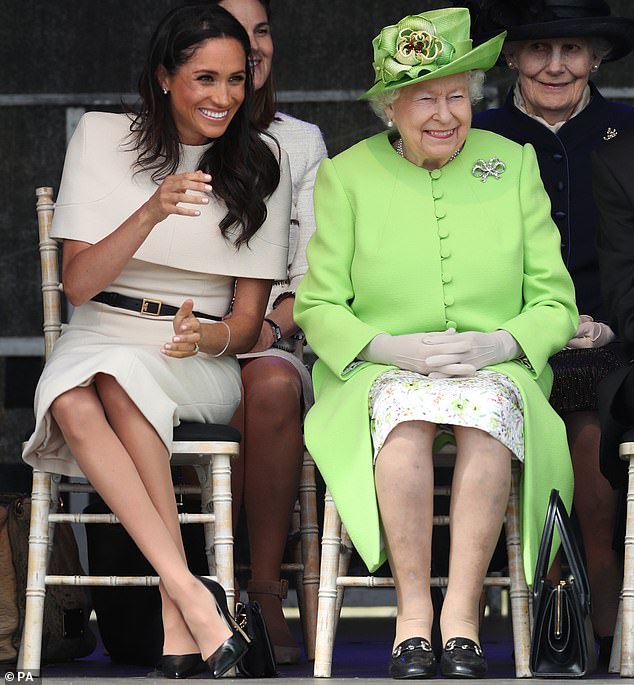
x,y
489,401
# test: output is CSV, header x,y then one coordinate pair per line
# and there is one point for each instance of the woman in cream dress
x,y
158,239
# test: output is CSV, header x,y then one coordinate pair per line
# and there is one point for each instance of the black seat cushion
x,y
206,432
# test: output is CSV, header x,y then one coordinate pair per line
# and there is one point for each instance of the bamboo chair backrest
x,y
49,264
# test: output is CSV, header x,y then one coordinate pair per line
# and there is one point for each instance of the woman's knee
x,y
272,385
76,410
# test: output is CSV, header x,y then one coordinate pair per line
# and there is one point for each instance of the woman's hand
x,y
591,333
482,349
188,334
412,352
265,339
172,191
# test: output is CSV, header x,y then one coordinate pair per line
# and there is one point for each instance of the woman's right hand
x,y
173,191
411,351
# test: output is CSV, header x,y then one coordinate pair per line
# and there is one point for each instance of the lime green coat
x,y
399,249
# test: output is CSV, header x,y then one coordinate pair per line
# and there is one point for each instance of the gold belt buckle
x,y
149,303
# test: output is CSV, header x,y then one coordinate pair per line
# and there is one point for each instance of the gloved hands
x,y
483,349
591,333
411,351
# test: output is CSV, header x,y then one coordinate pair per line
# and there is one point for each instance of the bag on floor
x,y
562,644
66,633
259,661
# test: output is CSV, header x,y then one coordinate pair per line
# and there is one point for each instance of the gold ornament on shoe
x,y
494,167
610,133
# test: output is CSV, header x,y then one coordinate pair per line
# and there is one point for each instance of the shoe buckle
x,y
400,649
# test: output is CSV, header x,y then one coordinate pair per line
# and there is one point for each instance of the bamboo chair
x,y
622,656
335,555
207,447
305,563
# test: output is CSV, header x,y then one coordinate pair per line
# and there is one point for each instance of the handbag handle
x,y
557,515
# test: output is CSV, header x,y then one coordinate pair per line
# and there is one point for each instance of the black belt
x,y
144,306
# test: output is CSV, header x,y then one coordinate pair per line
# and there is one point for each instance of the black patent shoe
x,y
228,654
234,647
182,665
413,658
462,658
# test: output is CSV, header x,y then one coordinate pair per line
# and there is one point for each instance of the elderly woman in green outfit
x,y
434,262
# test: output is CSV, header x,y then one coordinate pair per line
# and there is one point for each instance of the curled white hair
x,y
378,103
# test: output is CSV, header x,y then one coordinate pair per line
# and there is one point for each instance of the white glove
x,y
591,333
410,351
483,349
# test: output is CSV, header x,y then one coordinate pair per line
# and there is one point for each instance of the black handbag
x,y
259,661
562,643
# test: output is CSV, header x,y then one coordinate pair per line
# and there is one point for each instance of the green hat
x,y
425,46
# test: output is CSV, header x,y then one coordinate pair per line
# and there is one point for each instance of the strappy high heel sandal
x,y
277,588
234,647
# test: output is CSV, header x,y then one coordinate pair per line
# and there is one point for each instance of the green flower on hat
x,y
410,47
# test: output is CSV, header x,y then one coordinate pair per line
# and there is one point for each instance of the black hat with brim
x,y
618,31
535,19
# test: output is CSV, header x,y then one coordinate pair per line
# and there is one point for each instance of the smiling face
x,y
207,90
252,15
553,74
433,118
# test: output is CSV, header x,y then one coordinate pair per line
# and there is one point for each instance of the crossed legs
x,y
480,491
125,460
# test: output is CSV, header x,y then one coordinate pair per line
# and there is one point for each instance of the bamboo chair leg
x,y
223,531
345,554
309,534
615,655
518,590
326,612
31,646
205,480
627,626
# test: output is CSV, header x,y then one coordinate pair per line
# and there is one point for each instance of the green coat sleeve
x,y
549,297
322,304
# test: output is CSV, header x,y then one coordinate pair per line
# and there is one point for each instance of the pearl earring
x,y
390,123
165,91
511,65
595,67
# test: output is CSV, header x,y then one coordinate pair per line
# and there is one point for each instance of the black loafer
x,y
462,658
414,659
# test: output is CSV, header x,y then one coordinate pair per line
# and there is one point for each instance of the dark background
x,y
59,58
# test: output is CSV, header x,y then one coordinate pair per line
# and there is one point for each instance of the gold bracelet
x,y
226,347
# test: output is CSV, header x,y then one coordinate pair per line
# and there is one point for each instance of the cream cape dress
x,y
183,257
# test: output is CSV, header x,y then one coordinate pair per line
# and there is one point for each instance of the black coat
x,y
565,167
613,176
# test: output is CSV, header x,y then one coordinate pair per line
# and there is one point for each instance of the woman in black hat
x,y
555,46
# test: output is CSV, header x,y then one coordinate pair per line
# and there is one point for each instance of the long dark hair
x,y
265,98
243,168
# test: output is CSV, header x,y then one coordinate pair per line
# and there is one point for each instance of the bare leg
x,y
479,496
595,504
273,450
404,480
110,468
143,444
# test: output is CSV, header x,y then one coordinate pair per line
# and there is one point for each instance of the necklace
x,y
399,149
